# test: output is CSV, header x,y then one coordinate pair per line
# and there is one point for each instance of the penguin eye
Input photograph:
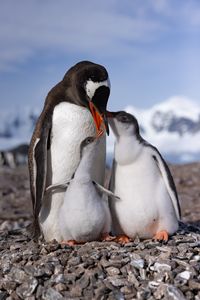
x,y
124,118
89,140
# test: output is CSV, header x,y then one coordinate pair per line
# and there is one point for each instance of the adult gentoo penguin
x,y
84,215
148,205
73,110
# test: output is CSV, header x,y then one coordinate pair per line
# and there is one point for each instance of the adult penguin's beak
x,y
97,106
100,119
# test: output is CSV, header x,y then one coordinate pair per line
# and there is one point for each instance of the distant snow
x,y
16,126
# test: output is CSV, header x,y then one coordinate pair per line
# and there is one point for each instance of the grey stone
x,y
26,289
76,292
3,295
160,291
8,285
39,291
84,281
117,281
194,285
60,287
35,271
112,271
174,293
6,265
182,278
144,293
18,275
116,295
161,267
51,294
127,290
138,263
58,269
132,279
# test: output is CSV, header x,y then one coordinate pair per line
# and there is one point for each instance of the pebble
x,y
26,289
161,267
112,271
174,293
3,295
51,294
138,263
185,275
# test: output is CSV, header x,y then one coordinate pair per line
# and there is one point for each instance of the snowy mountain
x,y
16,126
173,126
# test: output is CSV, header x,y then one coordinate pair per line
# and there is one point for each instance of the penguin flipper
x,y
168,180
37,161
103,190
58,186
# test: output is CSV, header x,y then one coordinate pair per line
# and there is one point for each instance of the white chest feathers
x,y
145,206
71,124
84,215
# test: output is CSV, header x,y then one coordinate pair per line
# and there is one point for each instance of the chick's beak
x,y
109,114
100,120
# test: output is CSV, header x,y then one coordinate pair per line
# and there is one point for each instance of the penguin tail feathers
x,y
34,230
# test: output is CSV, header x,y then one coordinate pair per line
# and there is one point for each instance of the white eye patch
x,y
92,86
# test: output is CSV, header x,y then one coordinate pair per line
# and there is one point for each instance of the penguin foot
x,y
106,237
122,239
71,243
161,236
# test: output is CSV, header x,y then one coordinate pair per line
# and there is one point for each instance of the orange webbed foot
x,y
161,236
71,243
122,239
106,237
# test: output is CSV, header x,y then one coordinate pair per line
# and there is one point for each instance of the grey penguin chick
x,y
148,205
84,215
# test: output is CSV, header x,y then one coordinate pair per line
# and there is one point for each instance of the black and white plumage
x,y
148,202
74,109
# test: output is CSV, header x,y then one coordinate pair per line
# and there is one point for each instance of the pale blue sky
x,y
151,48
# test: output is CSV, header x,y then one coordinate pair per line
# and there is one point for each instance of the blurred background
x,y
150,48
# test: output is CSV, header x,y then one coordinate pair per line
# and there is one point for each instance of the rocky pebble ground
x,y
98,270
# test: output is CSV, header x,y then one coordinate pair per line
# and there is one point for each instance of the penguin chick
x,y
148,205
84,214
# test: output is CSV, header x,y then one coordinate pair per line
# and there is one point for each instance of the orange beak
x,y
98,119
